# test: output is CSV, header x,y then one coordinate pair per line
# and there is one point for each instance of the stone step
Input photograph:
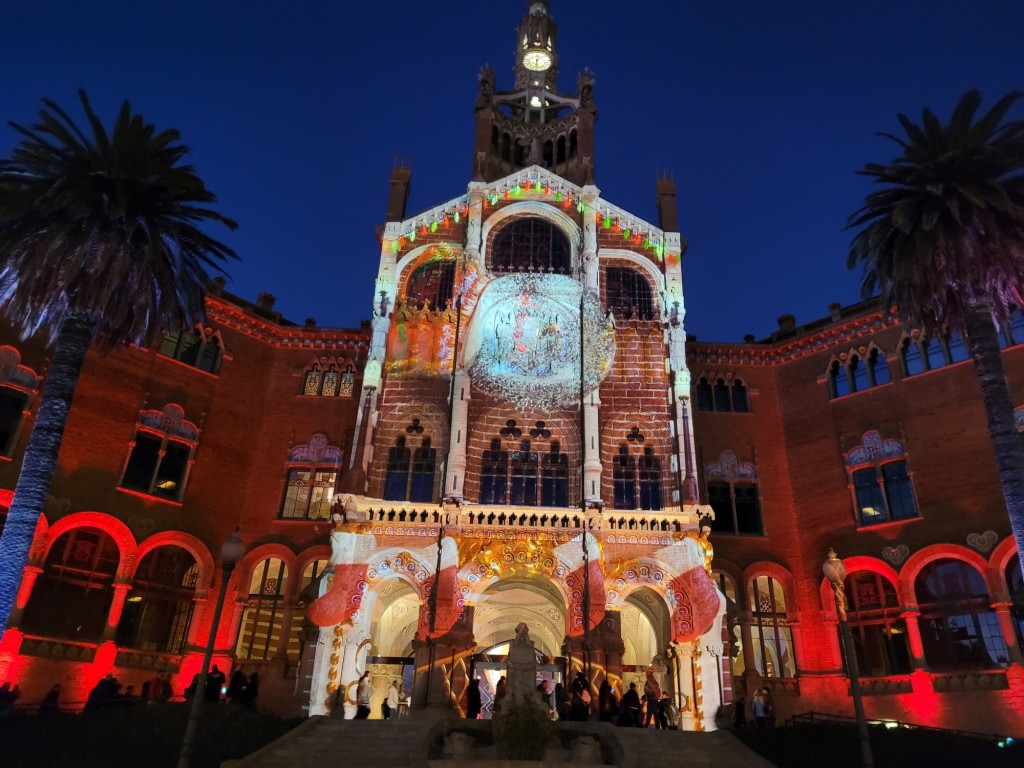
x,y
384,744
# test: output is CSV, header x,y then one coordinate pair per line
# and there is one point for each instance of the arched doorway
x,y
497,613
392,631
646,635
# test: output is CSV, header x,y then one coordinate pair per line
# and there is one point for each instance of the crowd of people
x,y
652,709
108,693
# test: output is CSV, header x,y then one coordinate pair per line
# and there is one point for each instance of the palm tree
x,y
943,241
99,242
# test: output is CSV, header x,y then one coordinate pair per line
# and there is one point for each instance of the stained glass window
x,y
770,633
531,245
260,630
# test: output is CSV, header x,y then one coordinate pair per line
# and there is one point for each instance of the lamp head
x,y
231,550
833,568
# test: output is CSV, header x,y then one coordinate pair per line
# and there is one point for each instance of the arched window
x,y
71,598
879,634
312,475
723,402
199,347
910,356
740,400
531,244
13,404
628,294
624,479
722,396
554,490
734,495
423,465
396,483
431,284
260,630
704,400
158,609
161,454
310,573
1015,585
773,654
524,475
17,382
880,479
650,479
493,474
732,612
878,368
959,630
839,379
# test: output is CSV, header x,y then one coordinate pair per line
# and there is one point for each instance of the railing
x,y
65,650
509,516
816,718
951,682
155,660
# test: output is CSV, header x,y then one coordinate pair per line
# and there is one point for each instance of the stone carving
x,y
982,542
896,555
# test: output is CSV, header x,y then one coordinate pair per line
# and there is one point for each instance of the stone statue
x,y
521,680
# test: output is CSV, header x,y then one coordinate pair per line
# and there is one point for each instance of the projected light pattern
x,y
524,341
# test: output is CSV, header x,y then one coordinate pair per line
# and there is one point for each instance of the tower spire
x,y
534,124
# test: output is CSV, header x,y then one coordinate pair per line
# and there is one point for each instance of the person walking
x,y
391,702
363,697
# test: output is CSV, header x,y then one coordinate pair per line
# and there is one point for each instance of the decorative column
x,y
676,336
588,256
1003,611
747,641
28,581
116,608
199,602
910,617
592,467
459,436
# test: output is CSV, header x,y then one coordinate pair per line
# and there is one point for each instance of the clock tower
x,y
535,124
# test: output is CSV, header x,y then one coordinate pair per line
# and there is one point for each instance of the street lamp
x,y
835,572
231,552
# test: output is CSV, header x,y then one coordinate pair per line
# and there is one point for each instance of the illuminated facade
x,y
523,432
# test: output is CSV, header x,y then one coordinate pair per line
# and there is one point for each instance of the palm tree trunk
x,y
40,459
983,344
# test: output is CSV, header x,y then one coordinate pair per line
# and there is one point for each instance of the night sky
x,y
296,110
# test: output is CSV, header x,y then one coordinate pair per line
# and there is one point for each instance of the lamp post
x,y
835,572
231,552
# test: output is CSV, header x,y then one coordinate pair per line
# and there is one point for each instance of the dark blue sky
x,y
295,111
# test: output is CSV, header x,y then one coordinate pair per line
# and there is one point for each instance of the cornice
x,y
229,315
838,335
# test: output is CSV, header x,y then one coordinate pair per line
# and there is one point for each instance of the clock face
x,y
538,61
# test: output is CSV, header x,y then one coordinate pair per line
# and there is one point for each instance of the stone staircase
x,y
648,748
405,743
351,743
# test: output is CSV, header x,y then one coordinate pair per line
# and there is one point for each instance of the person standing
x,y
652,695
739,715
629,708
51,702
214,683
562,702
759,709
473,699
499,695
391,703
363,697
